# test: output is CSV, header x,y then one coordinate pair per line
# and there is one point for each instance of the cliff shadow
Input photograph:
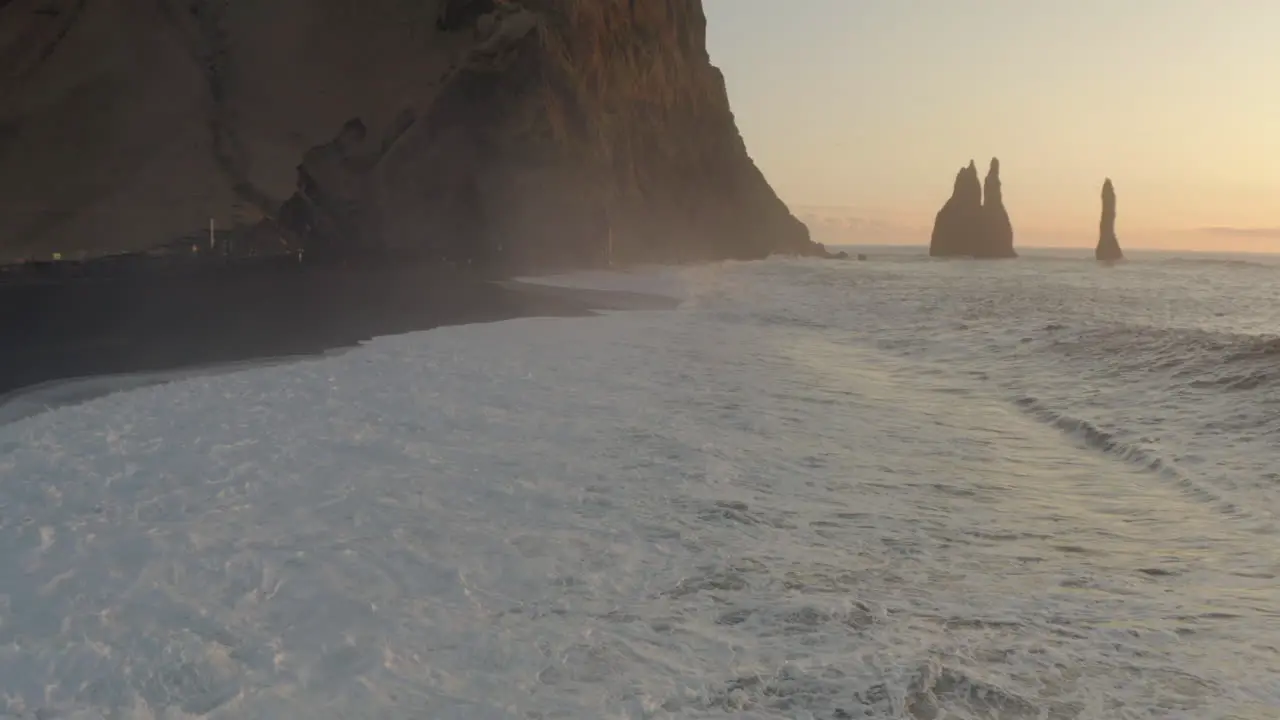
x,y
59,329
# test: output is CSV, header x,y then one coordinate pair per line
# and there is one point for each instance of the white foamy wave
x,y
59,393
707,512
680,283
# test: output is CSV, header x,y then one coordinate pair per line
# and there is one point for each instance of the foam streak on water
x,y
883,489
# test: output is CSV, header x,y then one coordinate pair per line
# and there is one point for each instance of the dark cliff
x,y
973,222
1108,249
523,133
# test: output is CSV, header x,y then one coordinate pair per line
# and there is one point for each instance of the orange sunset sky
x,y
860,113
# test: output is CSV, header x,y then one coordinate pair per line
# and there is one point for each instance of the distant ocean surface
x,y
900,488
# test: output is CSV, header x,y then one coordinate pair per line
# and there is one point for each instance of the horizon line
x,y
1260,232
924,246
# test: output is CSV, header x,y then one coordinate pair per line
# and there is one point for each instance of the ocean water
x,y
900,488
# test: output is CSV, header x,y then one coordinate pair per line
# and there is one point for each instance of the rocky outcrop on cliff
x,y
522,131
974,222
1108,249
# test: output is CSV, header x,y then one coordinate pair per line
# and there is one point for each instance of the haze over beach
x,y
860,111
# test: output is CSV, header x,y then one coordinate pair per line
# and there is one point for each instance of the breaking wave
x,y
910,490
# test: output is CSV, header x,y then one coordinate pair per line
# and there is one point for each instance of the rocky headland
x,y
519,134
974,222
185,182
1108,249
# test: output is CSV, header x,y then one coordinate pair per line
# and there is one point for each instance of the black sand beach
x,y
57,328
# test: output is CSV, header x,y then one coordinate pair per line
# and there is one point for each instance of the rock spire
x,y
1108,249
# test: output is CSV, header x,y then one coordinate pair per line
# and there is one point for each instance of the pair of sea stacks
x,y
974,222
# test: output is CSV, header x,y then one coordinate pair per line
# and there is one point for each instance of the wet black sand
x,y
61,328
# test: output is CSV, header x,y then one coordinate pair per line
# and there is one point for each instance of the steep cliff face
x,y
522,131
1108,249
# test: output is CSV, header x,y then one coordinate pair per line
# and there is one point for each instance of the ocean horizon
x,y
1065,251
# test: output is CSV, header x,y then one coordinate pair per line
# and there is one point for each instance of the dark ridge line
x,y
225,145
50,47
72,18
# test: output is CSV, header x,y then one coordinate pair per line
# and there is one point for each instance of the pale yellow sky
x,y
872,105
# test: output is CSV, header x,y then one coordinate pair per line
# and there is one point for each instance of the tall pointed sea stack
x,y
958,225
998,240
966,226
1108,249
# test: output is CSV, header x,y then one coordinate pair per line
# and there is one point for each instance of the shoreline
x,y
76,329
32,400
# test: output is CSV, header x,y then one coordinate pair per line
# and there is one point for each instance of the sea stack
x,y
1108,249
958,225
969,225
998,239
